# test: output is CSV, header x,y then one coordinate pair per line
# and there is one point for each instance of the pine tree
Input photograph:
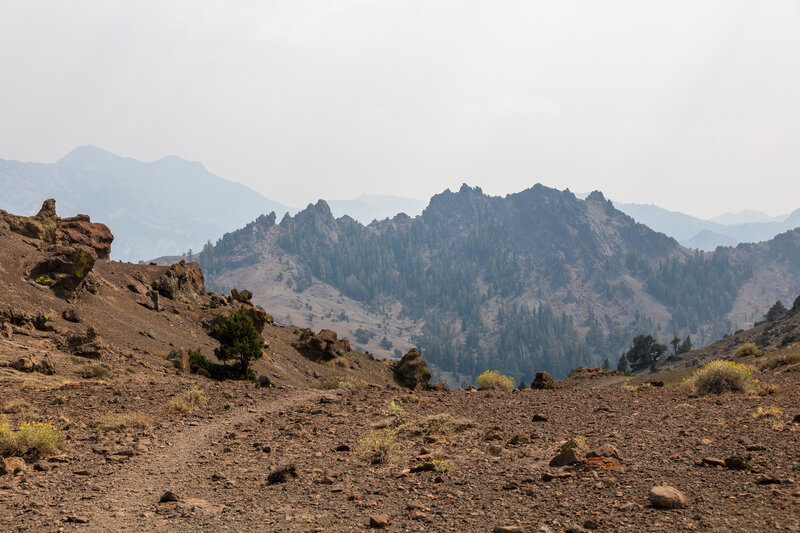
x,y
622,365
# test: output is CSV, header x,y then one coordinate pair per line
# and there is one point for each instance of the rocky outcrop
x,y
183,282
33,363
323,346
411,371
65,270
48,227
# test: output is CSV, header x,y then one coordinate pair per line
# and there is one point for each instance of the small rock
x,y
507,529
796,419
604,450
573,451
41,467
11,465
666,497
169,496
379,521
328,398
713,461
575,528
282,474
550,476
735,462
540,418
343,448
76,519
767,479
71,315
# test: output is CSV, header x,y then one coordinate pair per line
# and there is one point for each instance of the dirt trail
x,y
130,493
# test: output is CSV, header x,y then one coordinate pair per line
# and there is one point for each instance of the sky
x,y
690,105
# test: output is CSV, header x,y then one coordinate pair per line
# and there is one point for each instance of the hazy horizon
x,y
691,107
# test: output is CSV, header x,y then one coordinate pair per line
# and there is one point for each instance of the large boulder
x,y
325,345
34,363
543,380
65,270
411,371
182,282
89,344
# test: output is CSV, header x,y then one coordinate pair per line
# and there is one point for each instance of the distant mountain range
x,y
537,280
728,229
153,209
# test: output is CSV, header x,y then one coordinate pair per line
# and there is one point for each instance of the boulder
x,y
182,282
571,452
34,363
323,346
11,465
89,344
243,296
282,474
411,371
71,315
666,497
543,380
180,359
65,270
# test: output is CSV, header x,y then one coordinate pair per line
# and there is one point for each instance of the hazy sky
x,y
692,105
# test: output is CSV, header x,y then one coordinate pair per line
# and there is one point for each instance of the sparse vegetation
x,y
378,447
441,424
19,406
94,372
779,360
746,349
340,382
767,389
31,440
121,421
203,367
494,380
718,377
187,401
768,412
394,409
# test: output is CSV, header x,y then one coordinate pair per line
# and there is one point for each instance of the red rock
x,y
379,521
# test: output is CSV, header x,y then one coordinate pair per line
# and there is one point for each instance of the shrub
x,y
494,380
378,447
94,372
239,340
118,422
187,401
718,377
19,407
340,382
394,409
746,349
31,440
409,398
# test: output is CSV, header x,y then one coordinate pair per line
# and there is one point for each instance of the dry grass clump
x,y
784,359
19,407
187,401
494,380
409,398
340,361
120,421
94,372
441,424
718,377
394,408
340,382
767,389
768,412
746,349
31,440
378,447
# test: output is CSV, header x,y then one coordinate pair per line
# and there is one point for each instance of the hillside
x,y
538,280
69,313
164,207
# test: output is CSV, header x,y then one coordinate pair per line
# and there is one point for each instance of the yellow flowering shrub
x,y
31,439
718,377
494,380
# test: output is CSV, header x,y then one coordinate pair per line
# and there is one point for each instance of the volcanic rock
x,y
411,371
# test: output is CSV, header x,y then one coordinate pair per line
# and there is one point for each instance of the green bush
x,y
31,440
378,447
494,380
718,377
239,340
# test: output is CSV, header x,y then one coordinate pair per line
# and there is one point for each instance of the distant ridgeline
x,y
538,280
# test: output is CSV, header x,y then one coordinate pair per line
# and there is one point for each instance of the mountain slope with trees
x,y
537,280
